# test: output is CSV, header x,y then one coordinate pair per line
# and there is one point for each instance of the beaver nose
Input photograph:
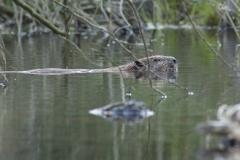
x,y
174,61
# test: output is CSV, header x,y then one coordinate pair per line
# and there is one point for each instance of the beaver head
x,y
157,64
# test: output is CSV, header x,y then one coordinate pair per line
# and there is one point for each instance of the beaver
x,y
158,63
131,112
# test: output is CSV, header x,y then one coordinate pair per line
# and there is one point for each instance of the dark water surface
x,y
46,117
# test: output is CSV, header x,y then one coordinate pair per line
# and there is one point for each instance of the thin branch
x,y
235,5
79,50
44,21
2,53
232,23
97,27
160,92
140,29
204,40
123,16
103,11
143,39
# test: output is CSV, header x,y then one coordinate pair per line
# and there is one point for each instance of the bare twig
x,y
204,40
76,47
140,29
103,11
79,50
121,12
44,21
160,92
143,39
96,26
232,23
2,48
18,16
147,54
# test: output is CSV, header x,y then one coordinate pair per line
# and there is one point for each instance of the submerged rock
x,y
132,111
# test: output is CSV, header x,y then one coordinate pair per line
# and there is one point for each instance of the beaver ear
x,y
138,64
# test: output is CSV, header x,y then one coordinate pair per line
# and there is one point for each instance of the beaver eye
x,y
174,61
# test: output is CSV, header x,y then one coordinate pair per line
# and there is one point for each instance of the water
x,y
46,117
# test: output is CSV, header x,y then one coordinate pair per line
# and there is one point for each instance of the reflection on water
x,y
46,117
158,76
230,47
130,112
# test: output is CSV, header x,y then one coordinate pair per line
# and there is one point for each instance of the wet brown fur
x,y
157,64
